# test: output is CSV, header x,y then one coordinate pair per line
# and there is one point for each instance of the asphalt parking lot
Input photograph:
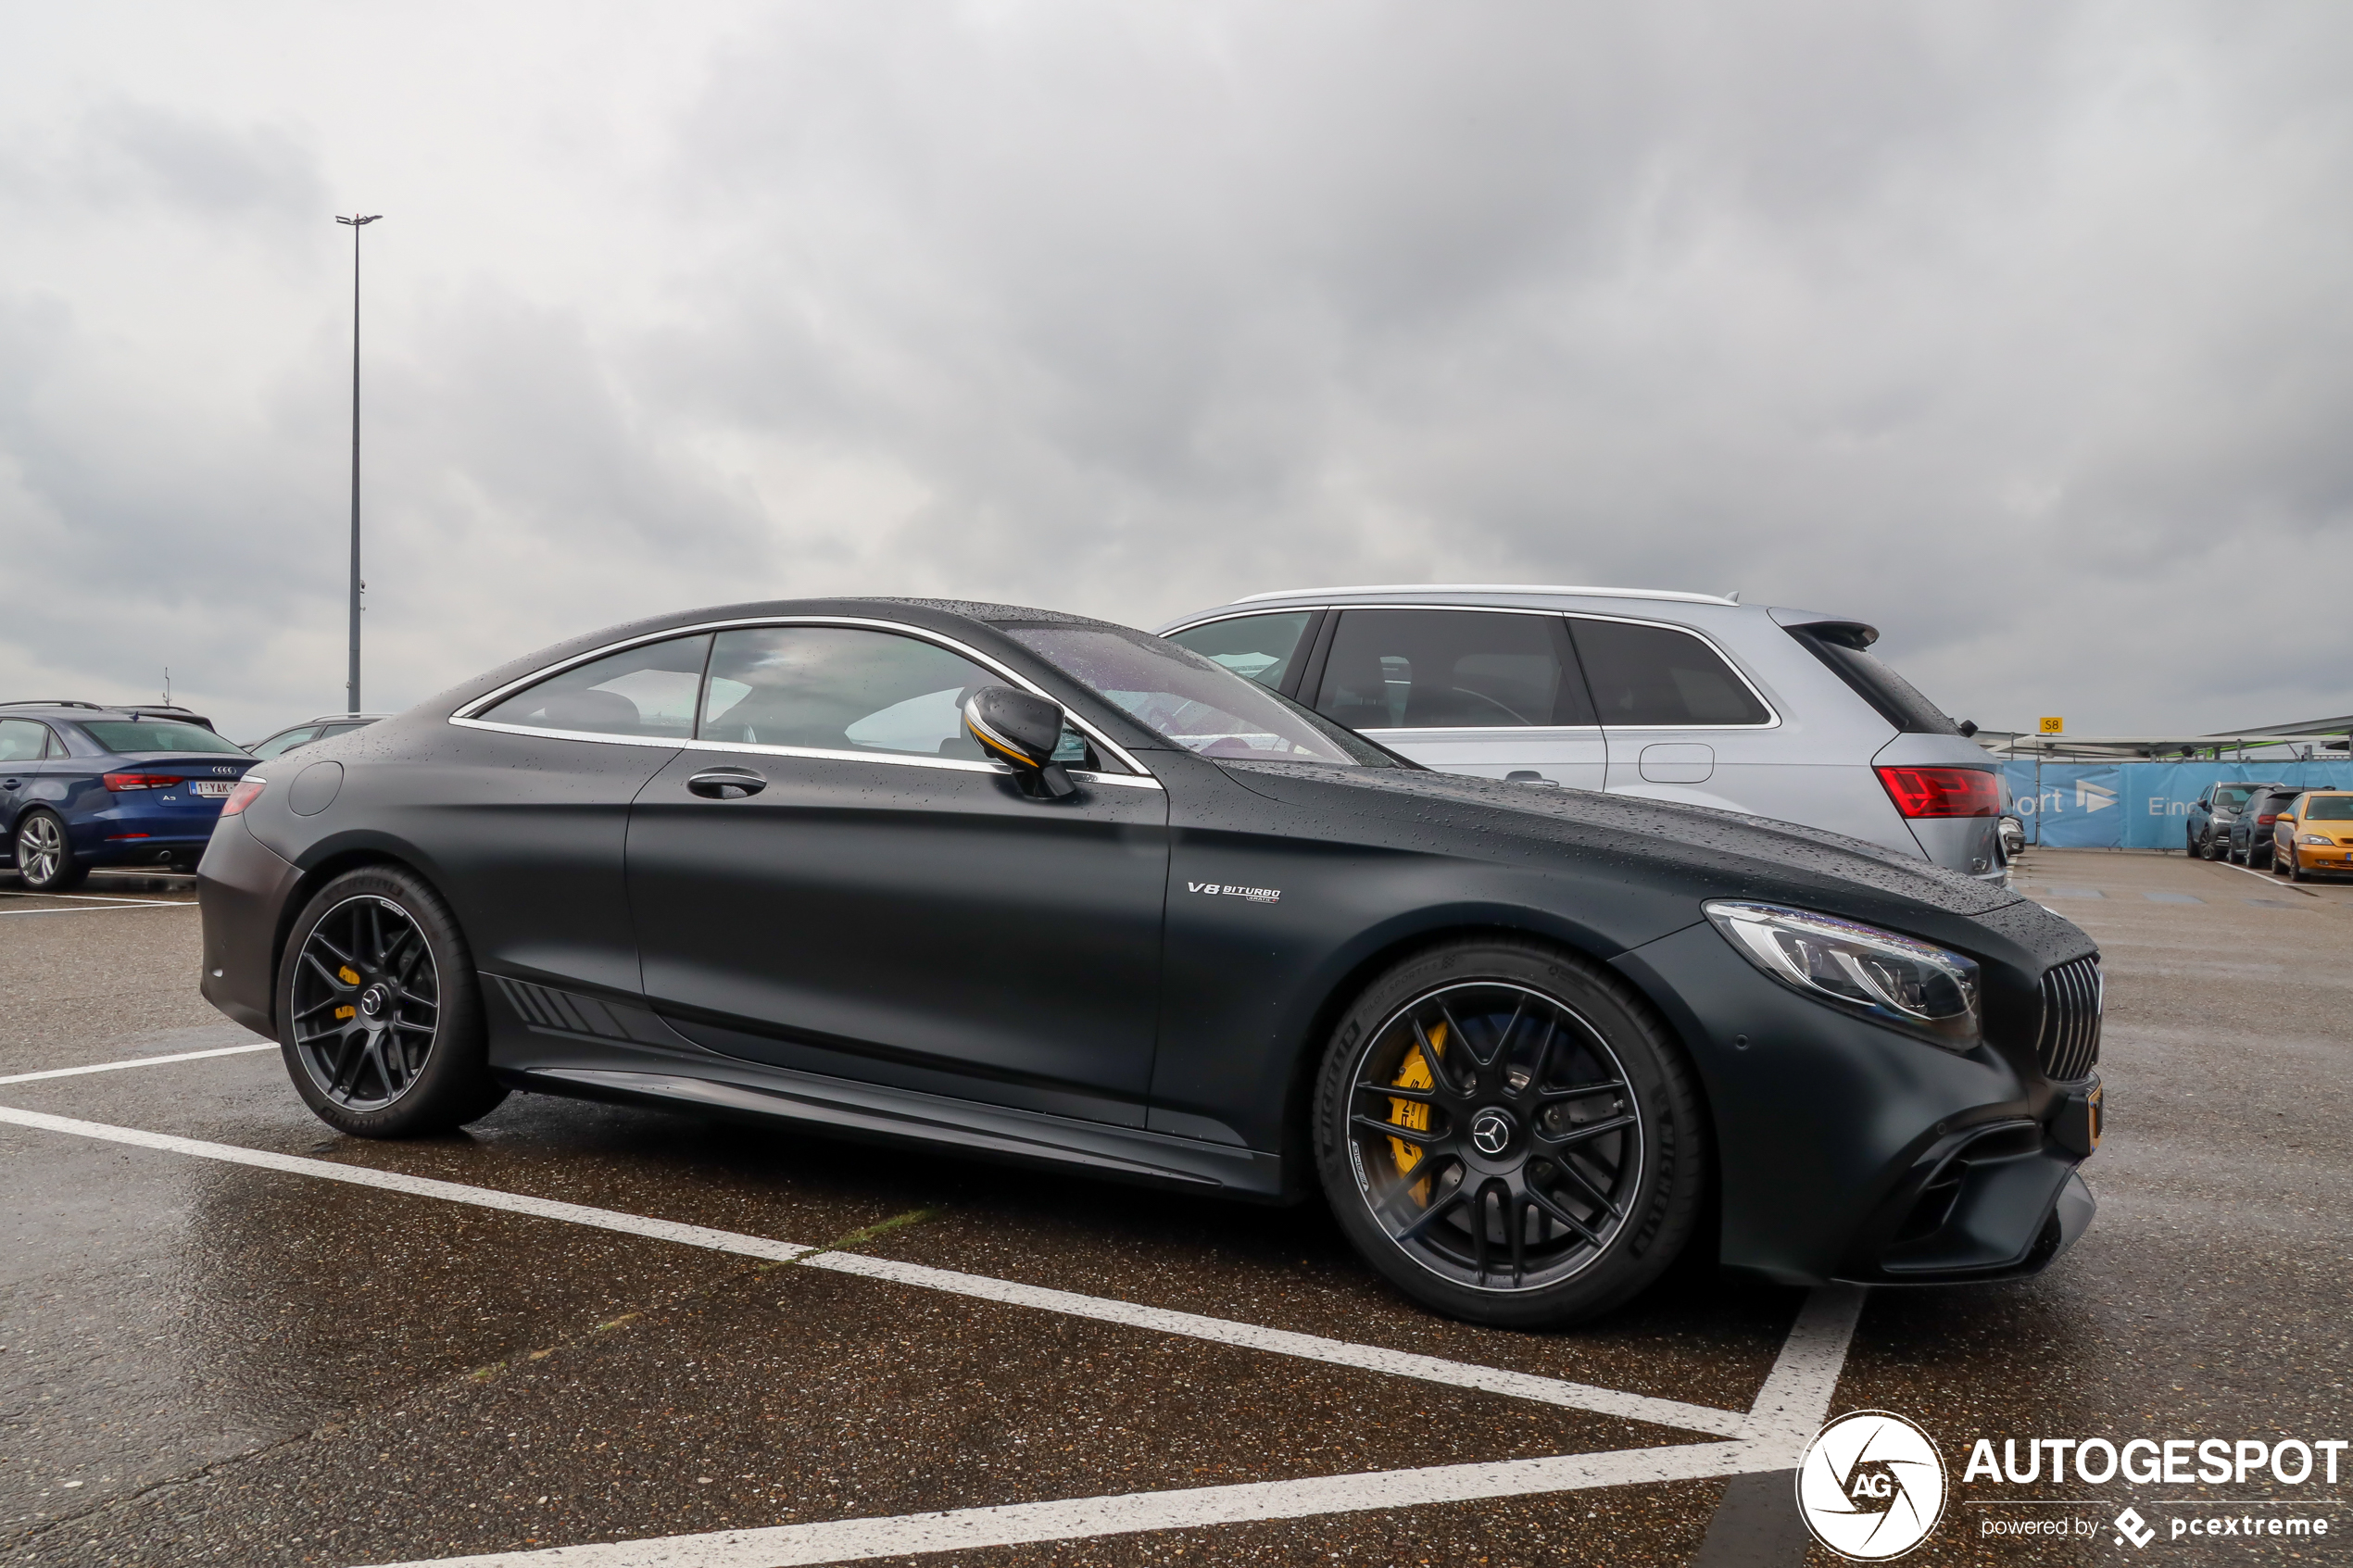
x,y
582,1334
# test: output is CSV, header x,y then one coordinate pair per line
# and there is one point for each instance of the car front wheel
x,y
1509,1136
45,861
379,1012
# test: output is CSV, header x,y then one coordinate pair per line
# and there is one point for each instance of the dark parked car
x,y
1047,889
84,785
2212,813
2251,827
325,727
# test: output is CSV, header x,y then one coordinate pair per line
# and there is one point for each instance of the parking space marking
x,y
1307,1346
2270,879
1795,1400
109,904
137,1061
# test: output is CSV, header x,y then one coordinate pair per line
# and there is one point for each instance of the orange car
x,y
2314,833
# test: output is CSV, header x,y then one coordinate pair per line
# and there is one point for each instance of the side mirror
x,y
1021,731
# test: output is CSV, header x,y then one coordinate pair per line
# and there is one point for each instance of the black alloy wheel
x,y
1509,1136
45,861
379,1011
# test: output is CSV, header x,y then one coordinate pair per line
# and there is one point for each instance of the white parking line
x,y
1307,1346
137,1061
1795,1401
109,904
2270,879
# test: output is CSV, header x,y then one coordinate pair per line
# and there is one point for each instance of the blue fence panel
x,y
2136,804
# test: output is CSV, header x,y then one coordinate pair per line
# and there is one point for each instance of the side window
x,y
278,746
1450,669
22,740
842,688
648,690
1263,647
1658,676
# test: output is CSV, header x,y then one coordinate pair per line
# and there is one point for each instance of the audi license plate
x,y
211,789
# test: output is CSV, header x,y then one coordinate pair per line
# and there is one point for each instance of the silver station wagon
x,y
1692,697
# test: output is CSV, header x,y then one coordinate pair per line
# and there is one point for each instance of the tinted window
x,y
1842,648
278,746
648,690
22,740
1658,675
1263,647
1450,669
1187,699
332,731
127,737
2330,808
838,688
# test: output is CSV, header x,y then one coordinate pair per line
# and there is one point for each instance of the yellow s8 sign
x,y
2054,727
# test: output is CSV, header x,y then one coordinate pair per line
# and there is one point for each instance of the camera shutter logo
x,y
1871,1485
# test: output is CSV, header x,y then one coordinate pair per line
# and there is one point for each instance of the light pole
x,y
351,688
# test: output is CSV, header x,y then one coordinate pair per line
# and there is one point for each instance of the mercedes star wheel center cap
x,y
371,1001
1490,1131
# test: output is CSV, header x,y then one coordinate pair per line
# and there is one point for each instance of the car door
x,y
23,742
1493,693
869,898
1683,724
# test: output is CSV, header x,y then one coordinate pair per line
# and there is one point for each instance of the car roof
x,y
70,709
1546,590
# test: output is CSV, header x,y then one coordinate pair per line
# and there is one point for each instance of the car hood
x,y
1686,852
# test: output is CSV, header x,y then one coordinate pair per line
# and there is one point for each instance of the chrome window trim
x,y
465,716
1774,722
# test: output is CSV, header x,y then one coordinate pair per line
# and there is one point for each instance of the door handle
x,y
726,784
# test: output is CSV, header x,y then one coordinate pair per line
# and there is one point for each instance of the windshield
x,y
2230,798
2330,808
1191,702
125,737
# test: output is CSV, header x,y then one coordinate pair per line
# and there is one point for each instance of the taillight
x,y
141,781
1942,792
245,795
2265,821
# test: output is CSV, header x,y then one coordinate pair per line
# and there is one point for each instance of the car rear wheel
x,y
379,1012
45,861
1508,1135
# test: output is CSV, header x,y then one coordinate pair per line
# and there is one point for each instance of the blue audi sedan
x,y
83,786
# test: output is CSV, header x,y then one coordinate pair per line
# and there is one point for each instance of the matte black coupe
x,y
1048,889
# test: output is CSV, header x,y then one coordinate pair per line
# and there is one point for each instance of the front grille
x,y
2069,1045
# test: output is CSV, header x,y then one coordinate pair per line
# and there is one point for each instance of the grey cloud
x,y
2018,329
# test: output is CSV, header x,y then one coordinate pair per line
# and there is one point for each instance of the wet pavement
x,y
205,1362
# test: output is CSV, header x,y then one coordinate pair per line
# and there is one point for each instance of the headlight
x,y
2321,840
1923,990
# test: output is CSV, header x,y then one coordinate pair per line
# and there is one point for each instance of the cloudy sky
x,y
2024,331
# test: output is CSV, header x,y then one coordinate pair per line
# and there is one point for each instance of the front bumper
x,y
1848,1151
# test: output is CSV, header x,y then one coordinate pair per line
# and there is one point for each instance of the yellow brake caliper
x,y
1414,1075
344,973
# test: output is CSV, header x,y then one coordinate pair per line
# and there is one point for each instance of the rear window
x,y
1450,669
1658,675
1847,652
127,738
